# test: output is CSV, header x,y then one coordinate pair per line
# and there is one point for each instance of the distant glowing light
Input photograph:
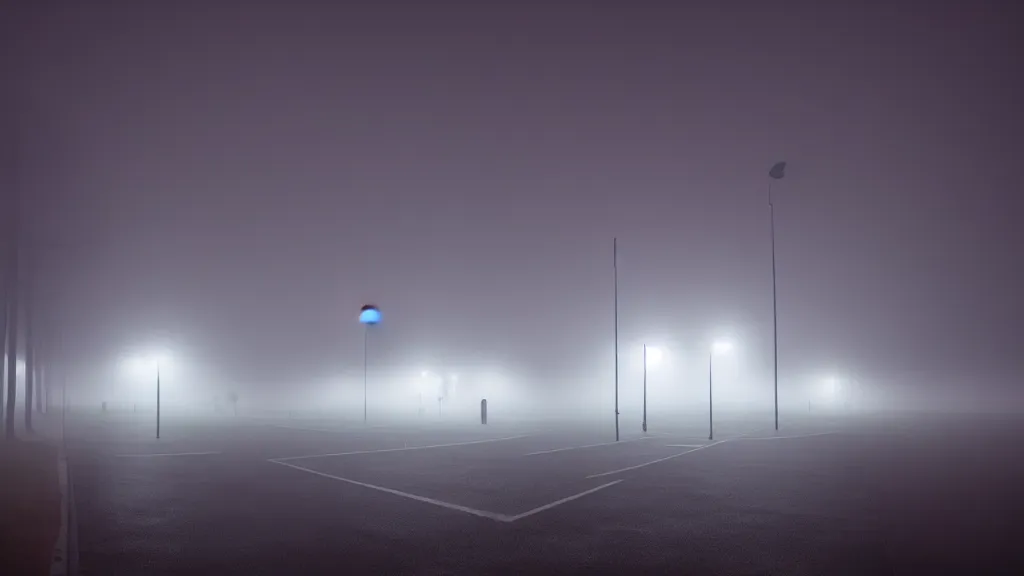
x,y
654,355
147,363
427,382
369,315
722,347
422,385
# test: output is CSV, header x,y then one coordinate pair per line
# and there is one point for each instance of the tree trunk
x,y
30,356
12,334
3,337
40,387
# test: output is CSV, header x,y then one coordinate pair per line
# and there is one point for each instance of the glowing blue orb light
x,y
369,314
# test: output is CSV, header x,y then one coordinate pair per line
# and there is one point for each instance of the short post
x,y
644,426
483,411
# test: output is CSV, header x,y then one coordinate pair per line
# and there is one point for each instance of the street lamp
x,y
369,315
777,172
615,316
652,355
148,364
718,347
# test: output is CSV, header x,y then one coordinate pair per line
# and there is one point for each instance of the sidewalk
x,y
30,506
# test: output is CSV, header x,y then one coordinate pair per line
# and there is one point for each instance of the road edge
x,y
61,563
72,526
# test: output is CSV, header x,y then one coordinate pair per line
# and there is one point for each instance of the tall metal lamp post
x,y
615,315
777,172
142,365
369,315
652,356
719,347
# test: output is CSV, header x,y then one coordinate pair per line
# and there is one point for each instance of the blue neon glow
x,y
369,315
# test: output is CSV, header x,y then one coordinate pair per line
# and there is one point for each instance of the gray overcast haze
x,y
235,179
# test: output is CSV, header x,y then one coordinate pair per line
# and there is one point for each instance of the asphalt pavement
x,y
318,496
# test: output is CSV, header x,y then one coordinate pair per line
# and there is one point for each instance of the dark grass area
x,y
29,507
882,496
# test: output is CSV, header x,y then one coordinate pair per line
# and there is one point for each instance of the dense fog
x,y
232,200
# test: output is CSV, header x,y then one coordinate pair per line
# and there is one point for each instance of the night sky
x,y
238,178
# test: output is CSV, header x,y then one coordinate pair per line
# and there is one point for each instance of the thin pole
x,y
64,411
157,401
366,338
775,308
12,337
12,288
711,421
615,274
645,387
30,347
40,387
4,318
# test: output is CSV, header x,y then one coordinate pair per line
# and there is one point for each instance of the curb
x,y
72,527
65,561
59,563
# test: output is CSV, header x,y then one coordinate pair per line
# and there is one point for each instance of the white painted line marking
x,y
349,428
628,468
457,507
789,437
587,446
376,426
684,445
441,503
697,437
328,430
158,455
281,460
562,501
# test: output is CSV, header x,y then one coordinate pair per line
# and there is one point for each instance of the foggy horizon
x,y
231,185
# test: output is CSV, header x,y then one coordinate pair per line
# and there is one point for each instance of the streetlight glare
x,y
717,347
134,365
654,355
146,363
145,366
428,382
